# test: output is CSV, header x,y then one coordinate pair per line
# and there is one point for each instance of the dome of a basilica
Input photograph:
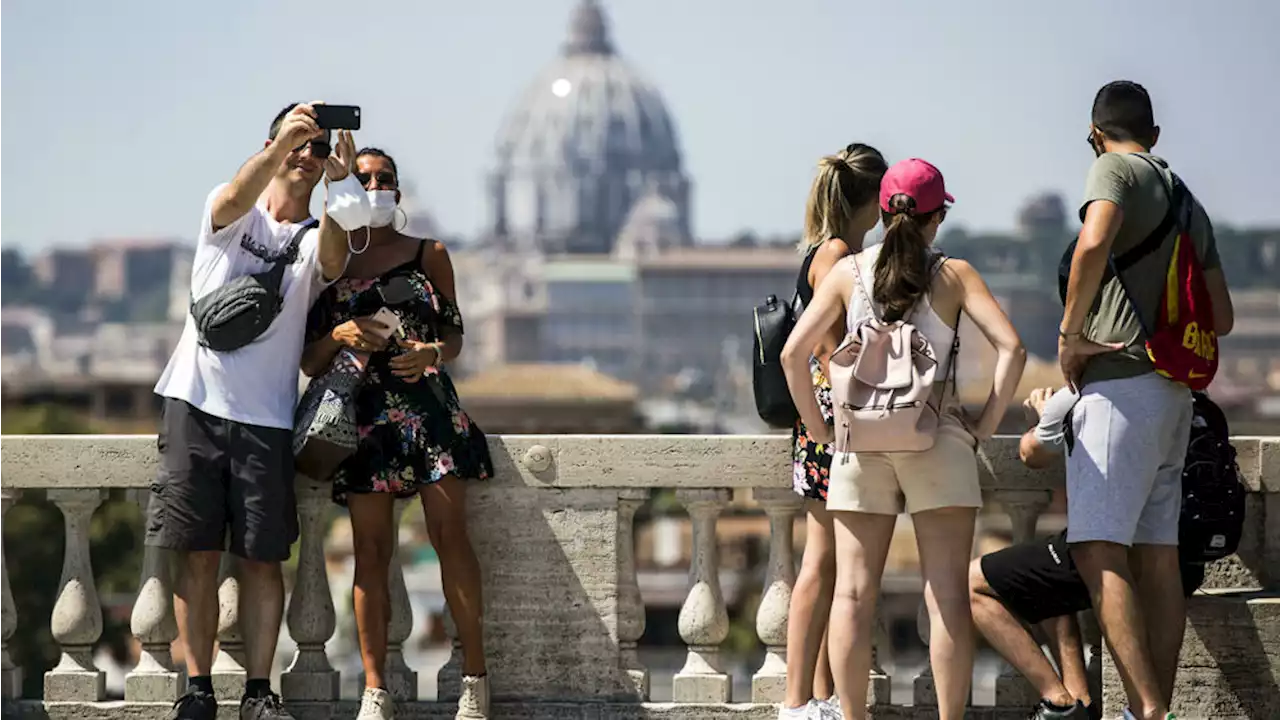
x,y
587,139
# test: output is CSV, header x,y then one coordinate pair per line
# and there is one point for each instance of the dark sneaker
x,y
267,707
1044,711
195,705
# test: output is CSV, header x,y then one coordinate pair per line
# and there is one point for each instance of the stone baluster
x,y
879,684
402,682
704,621
1024,508
769,684
449,677
1091,635
630,605
311,616
923,691
77,615
228,670
12,674
154,678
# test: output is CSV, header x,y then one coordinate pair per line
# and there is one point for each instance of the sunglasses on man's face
x,y
319,149
385,178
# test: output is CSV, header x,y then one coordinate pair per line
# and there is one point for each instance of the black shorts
x,y
1038,580
216,473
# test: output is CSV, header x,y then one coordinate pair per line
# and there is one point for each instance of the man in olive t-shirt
x,y
1131,425
1140,184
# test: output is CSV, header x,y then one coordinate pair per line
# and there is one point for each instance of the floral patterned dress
x,y
811,461
410,434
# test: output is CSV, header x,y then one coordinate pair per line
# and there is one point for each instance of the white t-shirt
x,y
257,384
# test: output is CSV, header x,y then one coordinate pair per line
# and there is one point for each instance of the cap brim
x,y
948,196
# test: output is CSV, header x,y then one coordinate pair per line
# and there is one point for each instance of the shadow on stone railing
x,y
563,612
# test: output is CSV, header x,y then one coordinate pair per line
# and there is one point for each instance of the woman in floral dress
x,y
841,209
414,438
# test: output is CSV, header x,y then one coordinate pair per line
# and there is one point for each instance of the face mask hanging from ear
x,y
348,205
383,205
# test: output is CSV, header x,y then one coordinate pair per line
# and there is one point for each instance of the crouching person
x,y
1035,586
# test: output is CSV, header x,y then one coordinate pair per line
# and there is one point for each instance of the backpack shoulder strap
x,y
1156,238
862,288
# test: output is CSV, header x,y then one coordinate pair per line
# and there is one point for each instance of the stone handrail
x,y
554,533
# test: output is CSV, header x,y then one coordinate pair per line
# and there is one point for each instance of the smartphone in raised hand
x,y
337,117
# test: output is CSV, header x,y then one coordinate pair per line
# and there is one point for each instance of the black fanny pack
x,y
237,313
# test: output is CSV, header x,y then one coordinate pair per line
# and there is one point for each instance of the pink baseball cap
x,y
917,179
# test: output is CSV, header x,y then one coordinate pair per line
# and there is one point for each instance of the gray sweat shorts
x,y
1124,472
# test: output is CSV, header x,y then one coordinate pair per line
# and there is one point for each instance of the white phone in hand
x,y
388,318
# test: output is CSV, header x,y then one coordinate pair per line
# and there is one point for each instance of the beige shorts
x,y
945,475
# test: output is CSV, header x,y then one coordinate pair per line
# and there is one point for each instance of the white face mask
x,y
383,206
348,204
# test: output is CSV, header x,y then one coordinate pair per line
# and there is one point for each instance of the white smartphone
x,y
388,318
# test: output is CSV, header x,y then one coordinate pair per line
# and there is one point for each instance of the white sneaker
x,y
376,704
804,712
828,709
474,702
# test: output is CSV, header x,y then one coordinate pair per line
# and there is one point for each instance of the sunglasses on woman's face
x,y
319,149
385,178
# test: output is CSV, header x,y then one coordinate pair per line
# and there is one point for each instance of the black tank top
x,y
803,289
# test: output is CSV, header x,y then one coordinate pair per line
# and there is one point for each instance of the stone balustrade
x,y
563,610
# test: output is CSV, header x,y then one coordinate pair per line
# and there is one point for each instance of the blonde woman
x,y
905,279
841,209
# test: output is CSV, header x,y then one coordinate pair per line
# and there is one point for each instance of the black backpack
x,y
774,322
1213,498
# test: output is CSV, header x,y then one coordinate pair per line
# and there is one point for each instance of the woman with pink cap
x,y
905,279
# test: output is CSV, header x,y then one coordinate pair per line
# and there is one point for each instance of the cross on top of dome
x,y
588,32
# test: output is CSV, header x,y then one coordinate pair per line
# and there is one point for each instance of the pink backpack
x,y
882,382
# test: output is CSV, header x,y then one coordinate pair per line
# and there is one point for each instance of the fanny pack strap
x,y
276,270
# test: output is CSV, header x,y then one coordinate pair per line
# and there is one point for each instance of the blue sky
x,y
118,118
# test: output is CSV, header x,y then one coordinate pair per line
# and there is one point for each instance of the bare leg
x,y
810,606
824,684
1105,569
945,539
195,607
373,531
261,610
445,506
1009,637
1159,584
1063,635
862,544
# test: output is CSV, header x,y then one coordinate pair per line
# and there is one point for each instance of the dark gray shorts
x,y
216,473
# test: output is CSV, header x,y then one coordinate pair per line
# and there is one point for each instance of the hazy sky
x,y
119,117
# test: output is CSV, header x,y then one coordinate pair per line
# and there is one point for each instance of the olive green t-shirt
x,y
1140,190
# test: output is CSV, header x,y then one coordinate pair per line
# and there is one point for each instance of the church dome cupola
x,y
588,33
587,139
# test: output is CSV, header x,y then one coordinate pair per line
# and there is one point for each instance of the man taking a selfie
x,y
229,390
